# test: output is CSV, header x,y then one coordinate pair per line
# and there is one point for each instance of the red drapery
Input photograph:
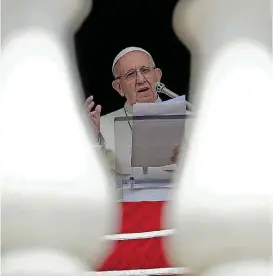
x,y
142,253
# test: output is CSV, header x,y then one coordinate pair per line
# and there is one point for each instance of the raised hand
x,y
93,113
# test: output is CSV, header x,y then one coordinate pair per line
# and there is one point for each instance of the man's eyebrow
x,y
146,66
129,71
132,69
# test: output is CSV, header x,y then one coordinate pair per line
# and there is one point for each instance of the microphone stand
x,y
161,89
174,95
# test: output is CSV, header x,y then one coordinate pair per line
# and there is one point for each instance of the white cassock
x,y
120,162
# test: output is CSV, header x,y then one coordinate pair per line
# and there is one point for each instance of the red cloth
x,y
141,253
141,216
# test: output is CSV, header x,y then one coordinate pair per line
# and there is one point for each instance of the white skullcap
x,y
126,51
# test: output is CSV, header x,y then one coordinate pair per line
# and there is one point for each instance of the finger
x,y
98,109
90,106
93,119
176,150
88,101
94,114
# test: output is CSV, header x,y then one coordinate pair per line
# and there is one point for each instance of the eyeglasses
x,y
132,74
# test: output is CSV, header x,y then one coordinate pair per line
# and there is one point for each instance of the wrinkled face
x,y
135,76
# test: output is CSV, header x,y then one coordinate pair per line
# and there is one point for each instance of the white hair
x,y
126,51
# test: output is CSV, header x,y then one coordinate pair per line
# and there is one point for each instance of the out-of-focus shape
x,y
249,268
58,200
221,206
205,26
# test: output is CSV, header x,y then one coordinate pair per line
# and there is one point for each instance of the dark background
x,y
115,24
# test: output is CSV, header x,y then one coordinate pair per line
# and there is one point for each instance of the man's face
x,y
135,78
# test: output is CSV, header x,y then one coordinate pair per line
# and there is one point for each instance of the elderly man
x,y
134,75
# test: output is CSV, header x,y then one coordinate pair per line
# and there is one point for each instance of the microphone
x,y
162,89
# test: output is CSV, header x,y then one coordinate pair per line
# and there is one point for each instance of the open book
x,y
158,128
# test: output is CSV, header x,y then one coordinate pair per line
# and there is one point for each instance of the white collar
x,y
129,108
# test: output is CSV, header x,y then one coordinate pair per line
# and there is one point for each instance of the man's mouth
x,y
142,90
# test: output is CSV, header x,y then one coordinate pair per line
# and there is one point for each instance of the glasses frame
x,y
136,71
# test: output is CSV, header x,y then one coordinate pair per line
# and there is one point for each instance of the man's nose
x,y
140,77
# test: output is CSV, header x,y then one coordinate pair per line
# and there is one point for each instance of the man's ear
x,y
116,86
158,73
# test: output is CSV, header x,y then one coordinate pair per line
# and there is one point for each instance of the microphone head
x,y
159,87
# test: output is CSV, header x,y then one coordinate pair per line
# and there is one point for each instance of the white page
x,y
151,109
175,100
155,140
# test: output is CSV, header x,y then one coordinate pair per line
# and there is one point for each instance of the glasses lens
x,y
145,70
130,76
